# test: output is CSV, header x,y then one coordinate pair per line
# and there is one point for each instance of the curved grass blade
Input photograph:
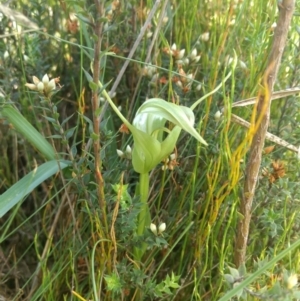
x,y
29,132
22,188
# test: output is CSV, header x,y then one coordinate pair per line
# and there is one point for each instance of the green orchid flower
x,y
148,130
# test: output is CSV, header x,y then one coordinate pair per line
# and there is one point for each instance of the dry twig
x,y
286,10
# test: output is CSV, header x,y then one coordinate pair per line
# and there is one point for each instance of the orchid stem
x,y
144,216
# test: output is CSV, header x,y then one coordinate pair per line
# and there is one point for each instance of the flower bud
x,y
51,86
128,149
128,152
31,86
149,34
174,47
40,87
274,25
173,156
120,153
6,54
45,79
186,61
197,58
292,281
153,228
218,115
242,64
205,36
199,86
162,227
180,54
189,77
35,80
179,84
193,54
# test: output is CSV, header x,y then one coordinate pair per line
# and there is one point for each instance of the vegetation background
x,y
55,244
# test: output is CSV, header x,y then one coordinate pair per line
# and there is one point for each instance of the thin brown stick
x,y
132,51
286,10
269,136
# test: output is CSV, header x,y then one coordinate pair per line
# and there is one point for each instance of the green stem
x,y
211,92
144,216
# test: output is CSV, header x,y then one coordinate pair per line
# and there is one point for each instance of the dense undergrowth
x,y
72,238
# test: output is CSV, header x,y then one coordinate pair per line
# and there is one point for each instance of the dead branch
x,y
286,10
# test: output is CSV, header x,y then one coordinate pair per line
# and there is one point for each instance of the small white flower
x,y
128,149
197,58
180,54
179,63
179,84
218,115
205,36
120,153
45,86
189,77
242,64
162,228
193,54
292,281
149,34
148,70
128,152
274,25
174,47
153,228
186,61
164,167
173,156
199,86
6,54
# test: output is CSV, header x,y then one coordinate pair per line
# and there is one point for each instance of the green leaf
x,y
93,86
229,278
113,282
234,272
22,188
69,133
260,271
29,132
87,75
66,120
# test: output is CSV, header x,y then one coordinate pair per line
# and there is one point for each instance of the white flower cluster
x,y
162,227
44,86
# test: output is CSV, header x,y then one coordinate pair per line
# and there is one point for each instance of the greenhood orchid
x,y
148,129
